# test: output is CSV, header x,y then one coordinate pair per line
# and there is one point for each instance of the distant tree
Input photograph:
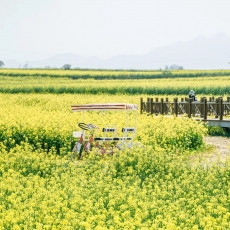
x,y
26,65
174,67
1,63
66,66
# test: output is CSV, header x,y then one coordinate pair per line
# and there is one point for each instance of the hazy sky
x,y
37,29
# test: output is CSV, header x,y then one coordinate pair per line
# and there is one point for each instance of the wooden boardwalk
x,y
215,111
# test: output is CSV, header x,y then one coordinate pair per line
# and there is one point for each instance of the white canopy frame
x,y
104,107
107,107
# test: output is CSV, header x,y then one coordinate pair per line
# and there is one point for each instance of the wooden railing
x,y
204,108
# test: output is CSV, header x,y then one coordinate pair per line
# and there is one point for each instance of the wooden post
x,y
190,107
205,108
202,107
221,111
161,106
165,106
176,106
156,107
141,105
217,108
147,105
227,110
193,107
151,105
186,105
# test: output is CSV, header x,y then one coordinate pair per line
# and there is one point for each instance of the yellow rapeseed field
x,y
115,82
104,72
154,186
176,86
163,182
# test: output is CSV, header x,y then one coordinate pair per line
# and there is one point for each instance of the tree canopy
x,y
1,63
66,66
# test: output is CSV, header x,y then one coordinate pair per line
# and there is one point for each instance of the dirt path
x,y
221,147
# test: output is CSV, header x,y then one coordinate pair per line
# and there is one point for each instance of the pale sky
x,y
36,29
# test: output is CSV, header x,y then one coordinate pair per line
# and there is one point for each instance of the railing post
x,y
166,109
151,105
193,110
221,108
201,107
183,105
147,105
217,108
190,107
161,106
205,108
141,105
156,106
176,106
227,110
186,105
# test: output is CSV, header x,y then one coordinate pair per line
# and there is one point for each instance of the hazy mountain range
x,y
198,53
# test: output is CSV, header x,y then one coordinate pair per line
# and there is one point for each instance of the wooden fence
x,y
205,108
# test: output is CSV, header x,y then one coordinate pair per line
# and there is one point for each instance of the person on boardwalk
x,y
192,95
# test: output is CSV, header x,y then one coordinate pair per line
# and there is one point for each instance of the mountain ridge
x,y
198,53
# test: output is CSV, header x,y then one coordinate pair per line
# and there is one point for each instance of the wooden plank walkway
x,y
215,111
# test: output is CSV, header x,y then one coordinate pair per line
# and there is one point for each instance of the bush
x,y
218,131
